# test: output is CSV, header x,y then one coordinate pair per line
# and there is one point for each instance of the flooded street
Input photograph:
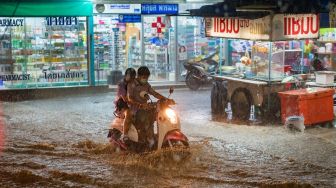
x,y
62,142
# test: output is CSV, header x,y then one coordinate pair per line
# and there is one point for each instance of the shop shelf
x,y
327,41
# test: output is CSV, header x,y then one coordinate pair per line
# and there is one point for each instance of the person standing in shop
x,y
317,64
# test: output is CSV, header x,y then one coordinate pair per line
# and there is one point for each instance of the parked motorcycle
x,y
168,135
199,73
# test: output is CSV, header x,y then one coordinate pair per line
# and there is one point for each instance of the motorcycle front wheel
x,y
178,144
178,150
192,82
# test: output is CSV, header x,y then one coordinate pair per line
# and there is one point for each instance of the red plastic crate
x,y
314,104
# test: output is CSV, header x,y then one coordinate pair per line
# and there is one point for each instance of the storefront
x,y
77,43
131,35
193,45
44,44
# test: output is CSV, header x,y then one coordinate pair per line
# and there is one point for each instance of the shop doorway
x,y
117,47
193,45
121,45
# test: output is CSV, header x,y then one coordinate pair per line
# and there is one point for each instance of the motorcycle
x,y
200,73
168,135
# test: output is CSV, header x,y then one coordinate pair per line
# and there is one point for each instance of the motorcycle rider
x,y
138,94
121,102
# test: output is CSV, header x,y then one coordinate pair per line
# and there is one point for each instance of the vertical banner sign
x,y
295,26
258,29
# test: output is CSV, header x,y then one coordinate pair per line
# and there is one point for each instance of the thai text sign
x,y
258,29
117,8
281,27
295,26
129,18
159,8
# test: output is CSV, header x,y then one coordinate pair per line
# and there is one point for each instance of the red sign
x,y
276,28
295,26
229,25
158,25
258,29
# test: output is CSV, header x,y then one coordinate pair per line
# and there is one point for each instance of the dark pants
x,y
144,121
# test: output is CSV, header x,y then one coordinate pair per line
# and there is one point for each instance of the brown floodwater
x,y
62,143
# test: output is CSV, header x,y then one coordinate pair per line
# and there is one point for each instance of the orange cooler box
x,y
314,104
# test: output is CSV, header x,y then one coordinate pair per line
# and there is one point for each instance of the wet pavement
x,y
61,142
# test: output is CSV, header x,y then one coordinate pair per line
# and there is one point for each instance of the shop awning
x,y
46,8
260,8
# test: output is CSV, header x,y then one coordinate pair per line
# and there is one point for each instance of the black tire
x,y
179,150
192,82
214,98
222,98
241,104
179,144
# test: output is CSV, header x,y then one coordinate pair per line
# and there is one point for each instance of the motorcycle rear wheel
x,y
192,82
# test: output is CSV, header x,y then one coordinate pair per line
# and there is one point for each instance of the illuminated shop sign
x,y
120,6
159,8
257,29
5,22
295,26
136,8
117,8
129,18
280,27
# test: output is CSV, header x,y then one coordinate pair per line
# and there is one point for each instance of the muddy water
x,y
62,143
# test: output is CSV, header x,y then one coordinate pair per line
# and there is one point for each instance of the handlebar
x,y
167,102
